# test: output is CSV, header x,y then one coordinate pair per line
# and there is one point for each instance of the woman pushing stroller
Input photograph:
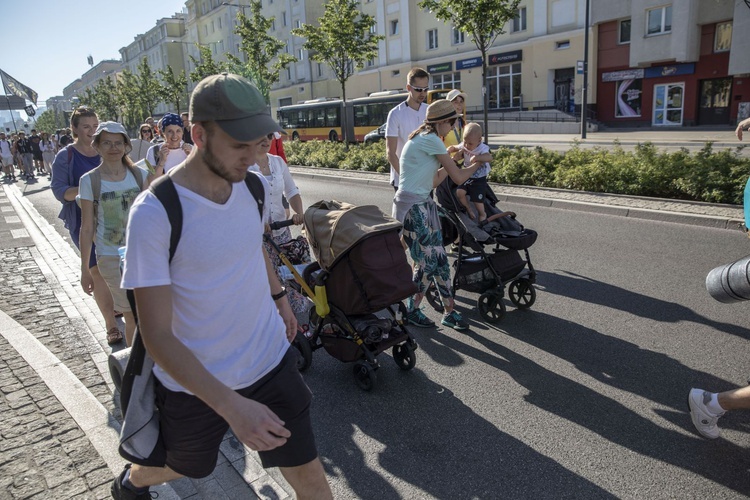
x,y
281,184
425,163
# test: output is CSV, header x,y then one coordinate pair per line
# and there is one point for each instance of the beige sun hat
x,y
455,93
440,110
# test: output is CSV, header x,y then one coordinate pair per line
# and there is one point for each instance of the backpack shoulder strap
x,y
164,190
96,184
255,185
138,174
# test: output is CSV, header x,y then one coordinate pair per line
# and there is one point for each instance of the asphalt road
x,y
582,396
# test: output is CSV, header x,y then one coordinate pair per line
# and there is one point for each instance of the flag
x,y
14,87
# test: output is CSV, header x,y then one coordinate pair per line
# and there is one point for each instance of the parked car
x,y
376,135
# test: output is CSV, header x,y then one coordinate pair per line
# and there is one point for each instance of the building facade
x,y
682,63
533,64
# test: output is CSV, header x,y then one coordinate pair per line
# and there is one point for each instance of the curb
x,y
701,220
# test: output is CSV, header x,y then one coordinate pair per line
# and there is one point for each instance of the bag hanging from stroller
x,y
359,248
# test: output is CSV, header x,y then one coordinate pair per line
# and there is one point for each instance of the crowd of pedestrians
x,y
216,319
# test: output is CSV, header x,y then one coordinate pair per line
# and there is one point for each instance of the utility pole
x,y
584,93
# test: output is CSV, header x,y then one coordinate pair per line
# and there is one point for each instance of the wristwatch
x,y
277,296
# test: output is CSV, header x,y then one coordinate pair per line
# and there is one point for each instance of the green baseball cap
x,y
235,104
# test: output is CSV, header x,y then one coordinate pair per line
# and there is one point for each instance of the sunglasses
x,y
420,89
146,130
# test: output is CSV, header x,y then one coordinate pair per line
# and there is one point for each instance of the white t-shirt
x,y
280,183
174,158
222,306
481,149
402,121
115,201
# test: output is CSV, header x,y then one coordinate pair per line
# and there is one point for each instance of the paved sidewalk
x,y
60,420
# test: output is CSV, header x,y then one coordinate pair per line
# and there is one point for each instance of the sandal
x,y
114,336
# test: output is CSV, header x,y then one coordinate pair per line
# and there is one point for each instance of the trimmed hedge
x,y
707,175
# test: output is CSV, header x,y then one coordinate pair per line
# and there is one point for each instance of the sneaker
x,y
703,420
455,321
417,318
120,492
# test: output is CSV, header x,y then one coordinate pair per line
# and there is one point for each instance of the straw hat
x,y
439,111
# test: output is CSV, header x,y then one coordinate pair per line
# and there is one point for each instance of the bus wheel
x,y
333,136
295,136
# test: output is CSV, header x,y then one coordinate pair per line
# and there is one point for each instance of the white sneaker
x,y
703,420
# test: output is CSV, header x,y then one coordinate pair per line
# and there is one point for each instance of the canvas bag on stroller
x,y
359,248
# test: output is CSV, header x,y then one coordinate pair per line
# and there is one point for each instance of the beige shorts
x,y
109,268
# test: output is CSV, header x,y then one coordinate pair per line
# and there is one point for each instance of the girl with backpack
x,y
107,192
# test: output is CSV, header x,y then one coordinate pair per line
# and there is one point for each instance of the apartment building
x,y
533,64
211,23
89,80
672,62
163,46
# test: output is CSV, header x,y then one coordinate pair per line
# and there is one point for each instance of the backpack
x,y
140,440
96,186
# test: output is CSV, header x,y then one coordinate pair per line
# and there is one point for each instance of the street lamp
x,y
584,93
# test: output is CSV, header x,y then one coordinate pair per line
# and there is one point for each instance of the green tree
x,y
150,87
50,120
128,98
263,52
105,100
206,66
342,40
174,87
482,20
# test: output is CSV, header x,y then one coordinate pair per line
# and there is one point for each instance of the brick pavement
x,y
40,295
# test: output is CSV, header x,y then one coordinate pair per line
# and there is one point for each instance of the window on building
x,y
297,24
395,72
289,73
504,85
565,44
371,62
286,46
320,69
219,23
624,36
205,29
432,39
519,21
446,80
374,28
458,36
723,40
213,27
283,18
273,24
659,20
301,54
394,27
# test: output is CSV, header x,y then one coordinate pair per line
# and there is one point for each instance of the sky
x,y
45,43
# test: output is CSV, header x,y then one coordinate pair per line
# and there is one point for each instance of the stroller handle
x,y
280,224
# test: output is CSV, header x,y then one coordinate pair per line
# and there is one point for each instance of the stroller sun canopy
x,y
334,227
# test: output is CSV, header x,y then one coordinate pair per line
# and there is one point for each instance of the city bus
x,y
322,118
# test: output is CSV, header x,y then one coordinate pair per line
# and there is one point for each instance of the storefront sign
x,y
505,57
440,68
474,62
672,70
627,74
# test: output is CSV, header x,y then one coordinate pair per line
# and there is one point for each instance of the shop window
x,y
668,100
659,20
624,31
446,80
628,98
723,40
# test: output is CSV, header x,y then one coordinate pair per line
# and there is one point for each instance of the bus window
x,y
332,117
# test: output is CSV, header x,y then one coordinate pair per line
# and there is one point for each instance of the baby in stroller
x,y
473,151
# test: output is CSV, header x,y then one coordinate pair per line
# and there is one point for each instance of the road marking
x,y
19,233
13,219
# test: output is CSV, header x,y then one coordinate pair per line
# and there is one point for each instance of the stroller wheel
x,y
522,293
304,359
404,356
491,306
433,297
364,375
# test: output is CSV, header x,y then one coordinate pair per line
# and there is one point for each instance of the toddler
x,y
474,151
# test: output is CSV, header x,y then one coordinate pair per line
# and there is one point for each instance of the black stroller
x,y
488,255
361,270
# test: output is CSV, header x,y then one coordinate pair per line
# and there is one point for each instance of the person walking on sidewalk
x,y
6,155
48,153
23,148
172,151
70,164
216,320
104,213
425,163
405,119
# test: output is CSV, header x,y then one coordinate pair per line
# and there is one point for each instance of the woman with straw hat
x,y
425,163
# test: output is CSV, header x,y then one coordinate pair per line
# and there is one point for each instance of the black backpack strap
x,y
164,190
255,185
